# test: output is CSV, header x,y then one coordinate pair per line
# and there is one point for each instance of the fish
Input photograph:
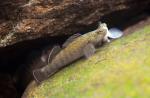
x,y
75,47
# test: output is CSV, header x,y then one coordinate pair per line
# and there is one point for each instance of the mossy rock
x,y
120,69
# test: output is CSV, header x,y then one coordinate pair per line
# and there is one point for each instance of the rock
x,y
25,20
119,69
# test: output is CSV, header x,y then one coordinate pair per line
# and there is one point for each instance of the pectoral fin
x,y
56,49
89,50
71,39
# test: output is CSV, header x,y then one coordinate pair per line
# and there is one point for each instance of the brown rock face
x,y
24,20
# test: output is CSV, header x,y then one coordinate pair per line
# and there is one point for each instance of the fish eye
x,y
102,25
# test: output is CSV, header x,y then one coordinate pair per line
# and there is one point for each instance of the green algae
x,y
120,69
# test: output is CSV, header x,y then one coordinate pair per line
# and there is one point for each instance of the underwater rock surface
x,y
119,69
31,19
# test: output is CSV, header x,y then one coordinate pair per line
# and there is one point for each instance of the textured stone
x,y
24,20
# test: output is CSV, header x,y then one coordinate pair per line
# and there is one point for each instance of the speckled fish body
x,y
74,50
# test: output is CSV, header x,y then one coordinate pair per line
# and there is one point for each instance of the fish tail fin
x,y
39,75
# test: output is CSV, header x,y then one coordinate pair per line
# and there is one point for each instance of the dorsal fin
x,y
71,39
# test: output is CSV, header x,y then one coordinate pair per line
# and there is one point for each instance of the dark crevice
x,y
19,57
124,18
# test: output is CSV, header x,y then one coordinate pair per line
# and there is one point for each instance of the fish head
x,y
112,33
101,34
